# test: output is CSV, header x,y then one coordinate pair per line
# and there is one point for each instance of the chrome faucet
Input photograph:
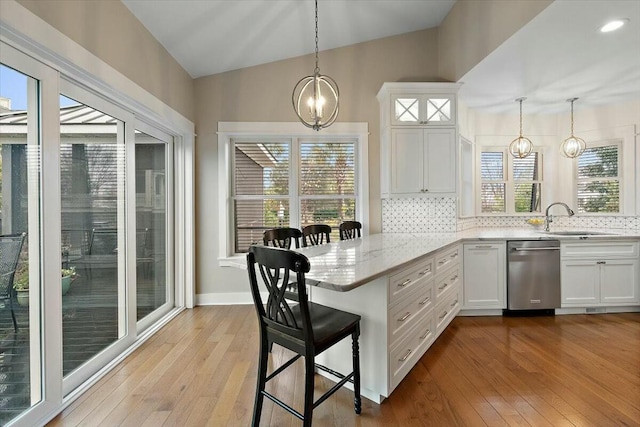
x,y
548,219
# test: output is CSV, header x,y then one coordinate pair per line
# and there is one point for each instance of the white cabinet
x,y
484,285
423,160
433,109
417,139
600,274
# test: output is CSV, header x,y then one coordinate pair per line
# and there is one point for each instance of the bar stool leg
x,y
262,380
356,371
308,390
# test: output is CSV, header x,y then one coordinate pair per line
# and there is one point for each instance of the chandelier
x,y
520,147
573,146
315,97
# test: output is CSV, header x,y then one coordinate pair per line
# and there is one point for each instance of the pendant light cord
x,y
317,70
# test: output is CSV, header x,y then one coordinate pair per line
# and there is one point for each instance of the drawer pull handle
x,y
453,304
426,334
405,283
484,247
428,270
443,286
406,356
454,277
443,314
601,262
424,301
442,262
405,317
454,255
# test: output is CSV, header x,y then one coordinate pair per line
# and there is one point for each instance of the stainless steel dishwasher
x,y
533,275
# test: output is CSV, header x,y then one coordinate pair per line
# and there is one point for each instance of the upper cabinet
x,y
423,110
418,137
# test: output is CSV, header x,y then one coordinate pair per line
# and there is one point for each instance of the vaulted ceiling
x,y
558,55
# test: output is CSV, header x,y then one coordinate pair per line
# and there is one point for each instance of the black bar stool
x,y
305,328
282,237
350,230
316,234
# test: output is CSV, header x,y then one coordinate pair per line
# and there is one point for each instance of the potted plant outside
x,y
21,286
21,282
68,276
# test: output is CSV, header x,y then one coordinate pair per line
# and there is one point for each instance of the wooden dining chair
x,y
350,230
305,328
282,237
316,234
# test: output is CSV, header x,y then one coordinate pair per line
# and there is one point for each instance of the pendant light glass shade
x,y
573,146
315,97
520,147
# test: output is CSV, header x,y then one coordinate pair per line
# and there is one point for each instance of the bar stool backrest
x,y
282,237
316,234
350,230
275,267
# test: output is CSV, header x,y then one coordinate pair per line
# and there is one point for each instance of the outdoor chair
x,y
316,234
305,328
10,247
350,230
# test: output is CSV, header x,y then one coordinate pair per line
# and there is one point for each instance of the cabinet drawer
x,y
599,249
408,351
405,313
415,276
447,309
447,258
446,281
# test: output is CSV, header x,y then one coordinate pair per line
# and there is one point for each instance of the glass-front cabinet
x,y
423,110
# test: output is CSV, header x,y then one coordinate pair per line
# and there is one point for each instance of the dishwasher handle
x,y
548,248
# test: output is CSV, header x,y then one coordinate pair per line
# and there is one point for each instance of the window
x,y
598,179
283,175
509,185
322,171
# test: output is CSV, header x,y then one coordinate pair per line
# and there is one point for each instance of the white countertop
x,y
343,266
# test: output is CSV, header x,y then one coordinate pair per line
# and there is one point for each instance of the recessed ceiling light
x,y
613,25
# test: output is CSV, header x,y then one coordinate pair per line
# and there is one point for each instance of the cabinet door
x,y
406,110
484,275
407,161
439,160
423,110
619,281
580,282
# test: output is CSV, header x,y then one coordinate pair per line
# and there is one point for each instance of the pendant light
x,y
520,147
315,97
573,146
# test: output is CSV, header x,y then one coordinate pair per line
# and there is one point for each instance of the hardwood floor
x,y
578,370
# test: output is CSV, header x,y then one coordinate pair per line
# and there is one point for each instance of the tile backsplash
x,y
419,215
438,215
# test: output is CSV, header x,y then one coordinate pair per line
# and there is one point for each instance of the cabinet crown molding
x,y
417,87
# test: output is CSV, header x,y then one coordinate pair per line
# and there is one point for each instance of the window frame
x,y
619,142
231,132
509,181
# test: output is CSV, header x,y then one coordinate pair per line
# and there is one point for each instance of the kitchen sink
x,y
578,233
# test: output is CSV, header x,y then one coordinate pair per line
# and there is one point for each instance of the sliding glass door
x,y
154,239
87,264
21,291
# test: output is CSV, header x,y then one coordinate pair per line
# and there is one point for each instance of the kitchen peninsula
x,y
408,288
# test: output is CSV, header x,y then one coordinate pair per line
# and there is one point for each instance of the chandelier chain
x,y
317,69
572,116
520,117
